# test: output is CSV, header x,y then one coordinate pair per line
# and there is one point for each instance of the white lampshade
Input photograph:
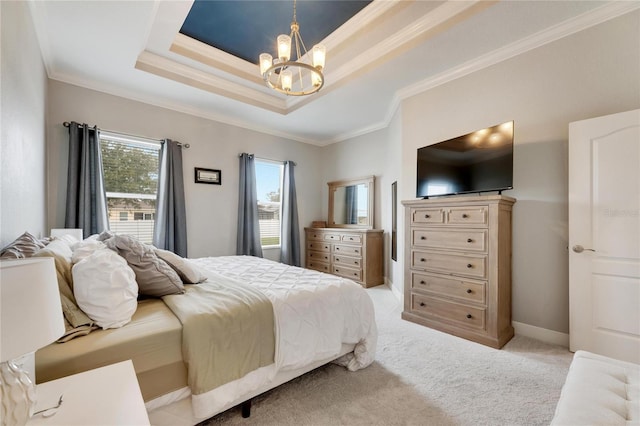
x,y
284,47
266,61
31,314
319,56
287,79
74,232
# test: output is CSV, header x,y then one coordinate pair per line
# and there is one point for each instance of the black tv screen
x,y
481,161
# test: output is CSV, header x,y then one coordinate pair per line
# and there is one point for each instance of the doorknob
x,y
579,249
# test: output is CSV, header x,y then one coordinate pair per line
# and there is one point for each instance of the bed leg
x,y
246,409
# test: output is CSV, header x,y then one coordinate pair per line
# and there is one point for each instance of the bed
x,y
316,318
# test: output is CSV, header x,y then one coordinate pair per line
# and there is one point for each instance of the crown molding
x,y
168,68
571,26
43,41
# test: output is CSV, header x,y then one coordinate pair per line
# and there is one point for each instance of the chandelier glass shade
x,y
299,77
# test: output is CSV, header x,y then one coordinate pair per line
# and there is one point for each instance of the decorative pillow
x,y
105,235
154,276
188,272
85,248
23,246
105,288
75,318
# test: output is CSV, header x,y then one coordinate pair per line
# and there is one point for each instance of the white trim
x,y
569,27
43,41
545,335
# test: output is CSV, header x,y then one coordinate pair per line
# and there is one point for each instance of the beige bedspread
x,y
228,331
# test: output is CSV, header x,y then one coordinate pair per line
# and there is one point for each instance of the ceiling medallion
x,y
294,78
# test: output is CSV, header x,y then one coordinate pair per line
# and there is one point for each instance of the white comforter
x,y
315,313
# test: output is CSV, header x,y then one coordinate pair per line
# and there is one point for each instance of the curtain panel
x,y
170,228
290,244
248,240
86,205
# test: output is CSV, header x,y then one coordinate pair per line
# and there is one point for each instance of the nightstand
x,y
105,396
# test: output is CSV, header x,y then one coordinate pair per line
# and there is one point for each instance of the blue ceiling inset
x,y
247,28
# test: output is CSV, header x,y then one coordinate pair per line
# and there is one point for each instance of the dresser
x,y
458,266
350,253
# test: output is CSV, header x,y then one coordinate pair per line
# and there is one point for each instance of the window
x,y
131,182
269,188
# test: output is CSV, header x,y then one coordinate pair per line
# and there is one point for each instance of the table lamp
x,y
30,318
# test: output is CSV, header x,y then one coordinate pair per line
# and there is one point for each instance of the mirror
x,y
351,203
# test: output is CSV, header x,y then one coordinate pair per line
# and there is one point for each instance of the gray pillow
x,y
23,246
154,276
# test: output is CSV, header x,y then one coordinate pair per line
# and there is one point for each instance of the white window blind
x,y
269,190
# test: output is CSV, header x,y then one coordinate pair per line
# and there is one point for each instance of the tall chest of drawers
x,y
350,253
458,266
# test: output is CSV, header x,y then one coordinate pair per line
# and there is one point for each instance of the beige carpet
x,y
420,377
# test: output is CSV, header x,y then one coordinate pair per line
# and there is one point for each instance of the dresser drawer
x,y
472,291
351,262
434,215
468,316
319,246
315,235
348,238
332,237
348,250
343,271
318,266
468,265
450,239
467,215
318,255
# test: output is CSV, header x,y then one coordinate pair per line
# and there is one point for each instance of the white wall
x,y
22,126
589,74
211,209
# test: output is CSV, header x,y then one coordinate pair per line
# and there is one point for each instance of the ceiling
x,y
386,52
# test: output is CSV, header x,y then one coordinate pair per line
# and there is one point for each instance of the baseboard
x,y
548,336
394,290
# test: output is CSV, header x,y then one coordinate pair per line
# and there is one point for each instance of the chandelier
x,y
299,77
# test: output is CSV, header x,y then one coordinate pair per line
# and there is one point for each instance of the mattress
x,y
152,340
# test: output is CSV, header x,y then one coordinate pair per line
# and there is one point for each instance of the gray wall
x,y
592,73
22,126
211,209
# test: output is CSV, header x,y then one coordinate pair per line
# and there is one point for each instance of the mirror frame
x,y
333,186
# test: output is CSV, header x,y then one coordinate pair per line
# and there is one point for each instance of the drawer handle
x,y
469,291
355,263
469,265
469,240
422,282
337,259
464,215
350,239
423,237
337,248
356,251
355,274
423,260
469,316
423,304
337,270
426,216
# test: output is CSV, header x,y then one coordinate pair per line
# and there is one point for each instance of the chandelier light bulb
x,y
316,79
284,47
287,79
266,61
319,55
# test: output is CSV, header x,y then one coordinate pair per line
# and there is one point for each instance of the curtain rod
x,y
271,159
185,145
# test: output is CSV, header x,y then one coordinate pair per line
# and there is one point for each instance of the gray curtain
x,y
86,198
352,204
170,229
290,244
248,242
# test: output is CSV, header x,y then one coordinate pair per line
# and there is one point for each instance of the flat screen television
x,y
481,161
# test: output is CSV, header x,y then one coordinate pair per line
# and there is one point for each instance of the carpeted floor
x,y
420,377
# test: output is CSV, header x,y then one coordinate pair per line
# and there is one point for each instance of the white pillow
x,y
188,272
105,288
85,248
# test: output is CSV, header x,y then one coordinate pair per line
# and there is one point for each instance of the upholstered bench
x,y
599,391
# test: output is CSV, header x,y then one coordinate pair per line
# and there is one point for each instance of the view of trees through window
x,y
131,183
268,188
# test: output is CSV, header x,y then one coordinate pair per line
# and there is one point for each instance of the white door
x,y
604,235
